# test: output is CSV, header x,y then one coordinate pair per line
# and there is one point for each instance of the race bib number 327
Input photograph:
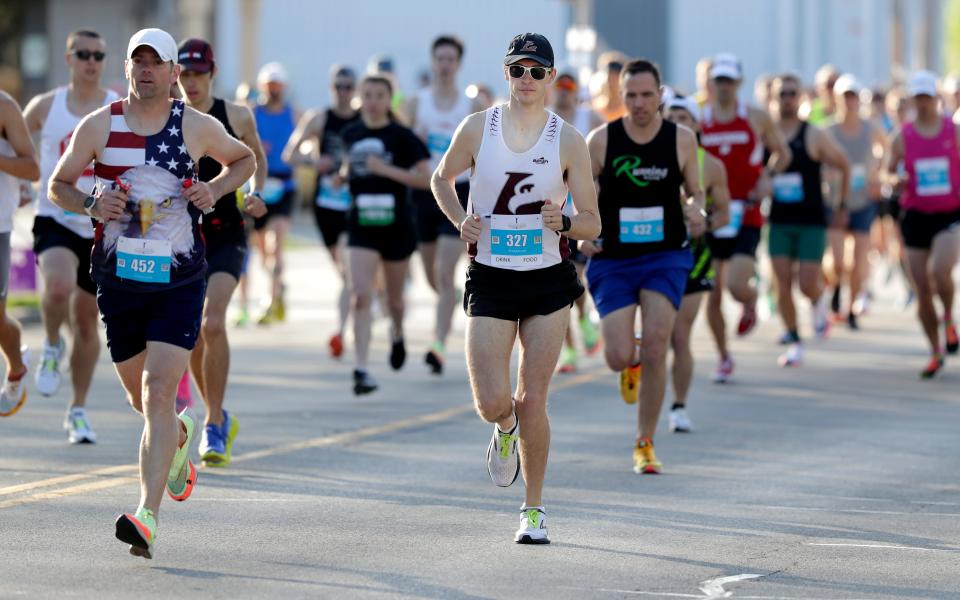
x,y
516,240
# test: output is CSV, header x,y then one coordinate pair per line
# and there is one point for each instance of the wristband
x,y
566,224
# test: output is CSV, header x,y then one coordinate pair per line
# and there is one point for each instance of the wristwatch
x,y
566,224
88,203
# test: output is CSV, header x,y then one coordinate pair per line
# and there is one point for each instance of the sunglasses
x,y
566,84
614,66
88,54
789,94
344,87
518,71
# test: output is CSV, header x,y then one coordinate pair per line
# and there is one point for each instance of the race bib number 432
x,y
641,225
516,240
144,260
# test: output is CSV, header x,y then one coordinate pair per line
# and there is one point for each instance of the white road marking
x,y
713,588
861,511
882,546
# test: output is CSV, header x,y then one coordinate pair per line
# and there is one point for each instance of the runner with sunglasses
x,y
520,282
332,203
62,240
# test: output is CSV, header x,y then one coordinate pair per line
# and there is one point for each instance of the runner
x,y
704,93
276,119
332,202
566,104
436,111
384,159
713,181
17,161
821,108
737,134
863,145
226,247
148,256
519,281
641,162
61,240
607,101
797,219
929,147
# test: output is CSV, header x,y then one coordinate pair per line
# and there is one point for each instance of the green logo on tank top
x,y
625,165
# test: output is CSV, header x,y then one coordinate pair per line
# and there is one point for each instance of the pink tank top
x,y
933,170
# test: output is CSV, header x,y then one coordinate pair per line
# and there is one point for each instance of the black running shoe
x,y
835,301
435,361
363,383
852,322
398,354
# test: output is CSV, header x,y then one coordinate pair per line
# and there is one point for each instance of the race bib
x,y
731,229
788,188
375,210
641,225
933,176
858,178
516,240
273,189
438,143
144,260
333,198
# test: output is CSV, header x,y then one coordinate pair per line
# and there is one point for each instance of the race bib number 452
x,y
144,260
516,240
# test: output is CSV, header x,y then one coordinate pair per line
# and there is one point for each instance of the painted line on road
x,y
861,511
880,546
347,437
713,588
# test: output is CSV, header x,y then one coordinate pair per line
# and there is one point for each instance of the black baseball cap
x,y
195,54
530,45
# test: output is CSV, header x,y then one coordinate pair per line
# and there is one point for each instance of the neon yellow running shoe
x,y
630,384
645,459
183,475
139,530
568,360
590,335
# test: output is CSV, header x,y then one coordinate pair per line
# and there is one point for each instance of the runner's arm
x,y
693,205
24,165
458,158
575,157
246,128
780,155
715,180
90,134
214,141
308,127
829,152
597,145
892,158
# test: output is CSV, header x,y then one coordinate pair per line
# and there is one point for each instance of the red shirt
x,y
739,149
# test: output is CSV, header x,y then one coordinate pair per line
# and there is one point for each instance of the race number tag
x,y
858,178
333,198
516,240
375,210
641,225
144,260
731,229
788,188
273,190
933,176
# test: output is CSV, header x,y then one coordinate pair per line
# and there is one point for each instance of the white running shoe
x,y
78,427
14,393
793,357
533,526
48,375
679,421
503,457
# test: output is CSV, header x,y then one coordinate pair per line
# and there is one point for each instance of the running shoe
x,y
679,421
243,318
793,357
398,354
14,392
183,475
48,375
953,343
786,339
78,427
363,382
821,320
503,456
862,304
216,442
835,301
568,360
336,345
645,459
139,530
630,383
852,322
933,367
533,526
748,320
590,335
280,310
434,358
724,371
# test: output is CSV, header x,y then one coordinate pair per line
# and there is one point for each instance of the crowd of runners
x,y
629,199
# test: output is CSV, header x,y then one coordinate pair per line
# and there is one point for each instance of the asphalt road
x,y
838,479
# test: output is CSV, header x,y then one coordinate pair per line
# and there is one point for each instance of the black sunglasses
x,y
88,54
343,87
518,71
789,94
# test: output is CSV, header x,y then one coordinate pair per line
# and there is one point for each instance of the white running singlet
x,y
507,190
436,127
9,191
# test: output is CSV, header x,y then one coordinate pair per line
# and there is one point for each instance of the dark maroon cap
x,y
195,55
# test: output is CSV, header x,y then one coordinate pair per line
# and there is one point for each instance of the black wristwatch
x,y
88,203
566,224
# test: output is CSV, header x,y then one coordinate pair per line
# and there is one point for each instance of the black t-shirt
x,y
380,202
798,191
225,222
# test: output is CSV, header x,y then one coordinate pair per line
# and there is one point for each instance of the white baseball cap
x,y
272,72
158,39
847,83
726,65
922,83
686,103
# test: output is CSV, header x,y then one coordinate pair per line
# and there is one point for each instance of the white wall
x,y
307,36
